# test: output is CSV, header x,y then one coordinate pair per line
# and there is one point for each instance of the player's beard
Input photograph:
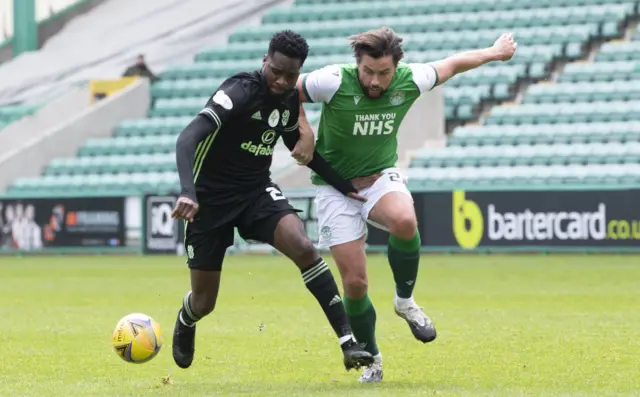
x,y
366,91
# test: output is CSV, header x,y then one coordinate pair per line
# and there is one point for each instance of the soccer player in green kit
x,y
363,107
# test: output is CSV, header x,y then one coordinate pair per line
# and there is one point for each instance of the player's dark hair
x,y
377,43
289,43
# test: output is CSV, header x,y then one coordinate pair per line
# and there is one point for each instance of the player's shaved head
x,y
377,43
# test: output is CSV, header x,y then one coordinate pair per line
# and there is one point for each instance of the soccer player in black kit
x,y
223,158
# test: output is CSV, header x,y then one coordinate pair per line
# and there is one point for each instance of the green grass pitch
x,y
508,326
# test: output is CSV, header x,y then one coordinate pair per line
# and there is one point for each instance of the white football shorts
x,y
342,219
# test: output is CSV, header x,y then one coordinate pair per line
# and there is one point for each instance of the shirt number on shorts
x,y
395,177
275,194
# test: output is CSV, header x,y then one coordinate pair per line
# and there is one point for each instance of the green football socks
x,y
362,317
404,257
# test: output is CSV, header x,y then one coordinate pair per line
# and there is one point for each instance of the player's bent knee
x,y
404,226
305,252
202,304
355,285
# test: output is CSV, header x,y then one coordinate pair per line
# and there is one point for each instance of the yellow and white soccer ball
x,y
137,338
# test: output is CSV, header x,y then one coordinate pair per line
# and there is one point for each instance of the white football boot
x,y
373,373
420,324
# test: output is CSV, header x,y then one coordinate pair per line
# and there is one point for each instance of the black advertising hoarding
x,y
532,218
162,234
33,224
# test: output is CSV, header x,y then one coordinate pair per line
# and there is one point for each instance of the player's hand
x,y
504,47
303,151
185,209
358,197
364,182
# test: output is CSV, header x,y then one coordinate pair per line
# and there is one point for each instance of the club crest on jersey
x,y
397,98
274,117
223,100
268,137
356,99
285,117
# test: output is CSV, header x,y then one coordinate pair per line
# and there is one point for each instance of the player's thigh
x,y
271,219
206,240
351,260
339,218
292,240
390,205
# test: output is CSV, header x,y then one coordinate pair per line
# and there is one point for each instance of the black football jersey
x,y
235,158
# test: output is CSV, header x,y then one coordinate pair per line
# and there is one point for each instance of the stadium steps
x,y
554,68
590,52
578,126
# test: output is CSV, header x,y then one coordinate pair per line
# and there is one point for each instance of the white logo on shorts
x,y
190,254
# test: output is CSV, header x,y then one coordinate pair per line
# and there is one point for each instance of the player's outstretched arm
x,y
502,50
322,167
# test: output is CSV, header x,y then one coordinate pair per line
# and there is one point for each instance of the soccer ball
x,y
137,338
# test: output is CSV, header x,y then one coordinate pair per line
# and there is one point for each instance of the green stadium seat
x,y
473,5
583,92
12,113
622,51
537,134
162,162
134,183
416,42
128,145
385,9
600,71
568,113
446,21
184,88
153,126
526,155
537,174
178,107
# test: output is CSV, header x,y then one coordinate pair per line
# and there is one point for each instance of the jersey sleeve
x,y
322,84
292,121
424,75
226,102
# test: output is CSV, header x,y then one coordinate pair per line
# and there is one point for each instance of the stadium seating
x,y
581,128
555,133
11,113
